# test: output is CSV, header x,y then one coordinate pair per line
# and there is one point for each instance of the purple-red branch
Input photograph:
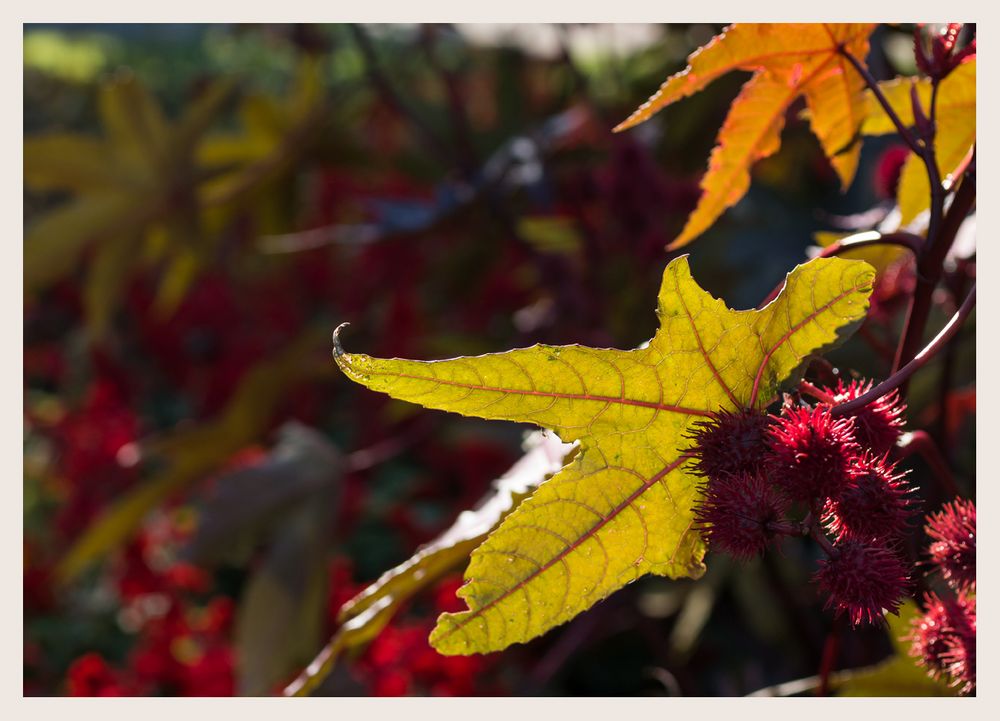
x,y
919,361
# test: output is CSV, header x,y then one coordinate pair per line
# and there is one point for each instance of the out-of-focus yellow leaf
x,y
141,173
953,141
899,675
106,276
275,132
365,615
60,161
624,507
788,60
52,246
66,56
550,234
133,121
192,453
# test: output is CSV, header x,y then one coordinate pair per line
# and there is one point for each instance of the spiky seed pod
x,y
736,511
862,581
810,452
875,505
943,640
961,657
878,425
953,544
730,443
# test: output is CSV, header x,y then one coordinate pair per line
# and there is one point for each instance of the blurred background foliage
x,y
204,204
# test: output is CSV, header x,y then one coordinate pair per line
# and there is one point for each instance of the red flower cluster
x,y
90,441
182,645
953,548
874,505
811,452
944,638
185,651
837,468
738,513
862,581
400,661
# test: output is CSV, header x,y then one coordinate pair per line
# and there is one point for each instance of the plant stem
x,y
920,442
817,393
869,238
919,361
817,533
831,649
872,83
930,266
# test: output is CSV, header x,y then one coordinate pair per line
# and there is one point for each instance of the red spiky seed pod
x,y
730,443
877,425
943,640
862,581
736,514
953,544
875,505
810,452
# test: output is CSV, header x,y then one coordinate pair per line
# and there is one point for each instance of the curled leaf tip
x,y
338,349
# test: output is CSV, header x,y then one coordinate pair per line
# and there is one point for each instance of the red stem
x,y
921,442
872,84
922,358
930,265
817,393
831,649
869,238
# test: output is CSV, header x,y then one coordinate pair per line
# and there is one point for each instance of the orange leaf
x,y
787,61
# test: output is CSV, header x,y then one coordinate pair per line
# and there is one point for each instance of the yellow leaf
x,y
899,675
274,134
141,172
788,60
550,234
953,141
53,244
60,161
106,276
623,507
133,120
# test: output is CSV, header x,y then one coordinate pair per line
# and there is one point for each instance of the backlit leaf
x,y
788,60
623,507
953,141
